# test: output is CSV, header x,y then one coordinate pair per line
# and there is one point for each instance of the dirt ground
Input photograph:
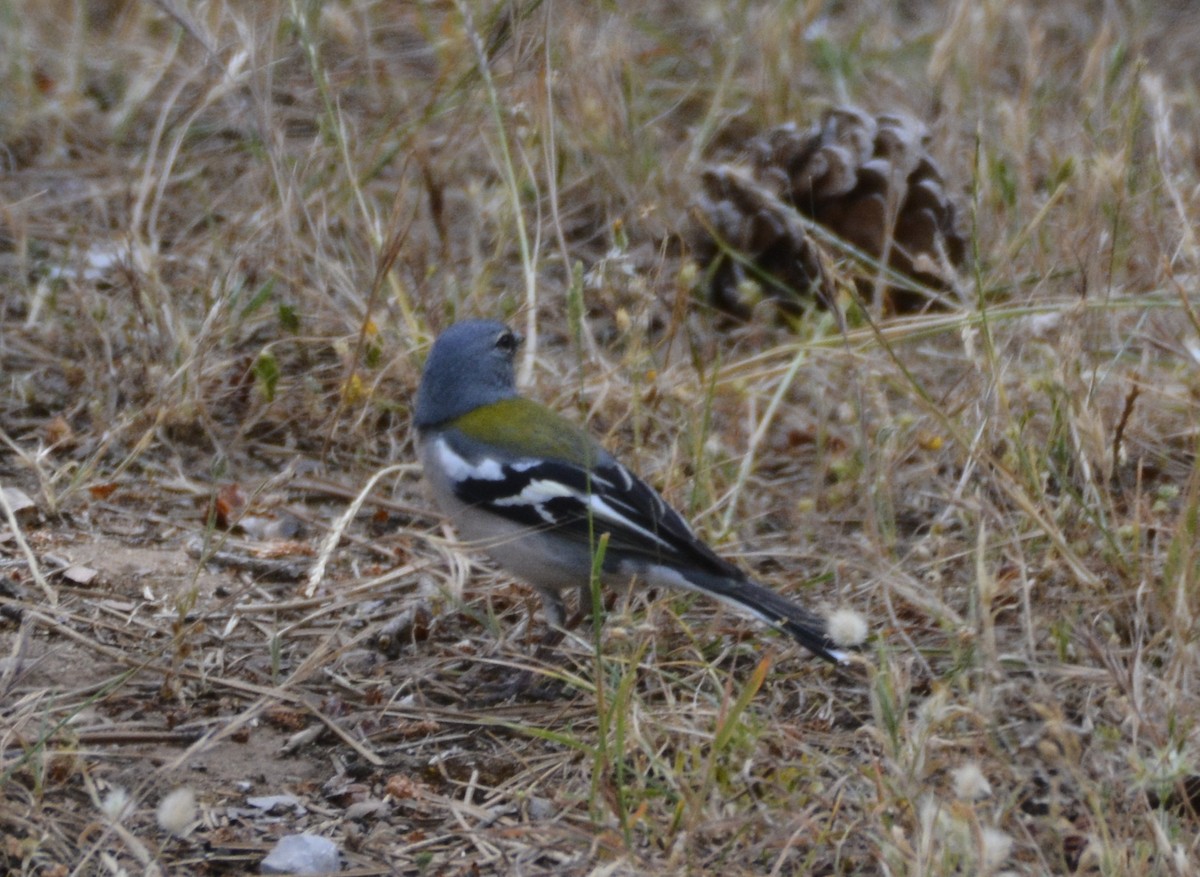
x,y
163,671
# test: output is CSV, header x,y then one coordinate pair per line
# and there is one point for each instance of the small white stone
x,y
302,854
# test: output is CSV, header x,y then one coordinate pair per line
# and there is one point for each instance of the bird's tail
x,y
769,607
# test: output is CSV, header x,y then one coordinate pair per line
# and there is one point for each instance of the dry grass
x,y
228,232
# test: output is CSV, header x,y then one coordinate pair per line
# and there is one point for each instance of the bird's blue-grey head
x,y
471,364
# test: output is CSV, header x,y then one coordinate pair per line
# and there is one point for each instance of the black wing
x,y
582,502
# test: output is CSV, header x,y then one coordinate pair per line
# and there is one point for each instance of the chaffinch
x,y
535,492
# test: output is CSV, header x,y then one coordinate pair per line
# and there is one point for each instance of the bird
x,y
535,492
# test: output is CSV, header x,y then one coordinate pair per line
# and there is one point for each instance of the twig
x,y
1135,390
34,569
335,532
262,567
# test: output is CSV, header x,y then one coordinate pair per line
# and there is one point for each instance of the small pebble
x,y
302,854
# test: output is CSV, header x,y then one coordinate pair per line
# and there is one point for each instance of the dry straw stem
x,y
228,232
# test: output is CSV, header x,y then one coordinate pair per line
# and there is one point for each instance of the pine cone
x,y
770,244
865,179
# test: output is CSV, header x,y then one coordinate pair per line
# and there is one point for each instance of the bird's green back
x,y
528,429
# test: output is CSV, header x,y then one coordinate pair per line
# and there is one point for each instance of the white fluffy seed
x,y
996,847
970,784
177,811
847,628
115,803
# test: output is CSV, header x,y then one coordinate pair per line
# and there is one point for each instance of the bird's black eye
x,y
508,341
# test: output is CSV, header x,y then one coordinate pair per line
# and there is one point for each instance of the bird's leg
x,y
528,683
555,611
